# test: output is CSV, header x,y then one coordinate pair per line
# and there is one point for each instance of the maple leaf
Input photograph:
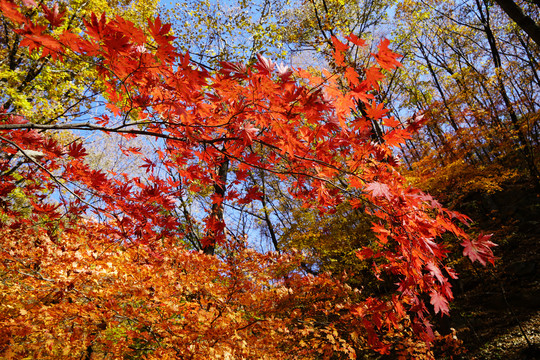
x,y
32,137
338,45
253,194
355,181
391,121
123,191
235,70
9,10
479,249
54,16
249,132
53,147
118,43
355,40
339,58
439,302
378,189
376,111
352,76
128,28
396,137
435,271
356,203
382,233
78,45
95,28
373,76
264,65
76,150
102,120
132,150
49,209
283,71
416,122
451,272
364,254
385,57
157,29
49,44
16,119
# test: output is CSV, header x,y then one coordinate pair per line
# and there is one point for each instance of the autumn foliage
x,y
94,263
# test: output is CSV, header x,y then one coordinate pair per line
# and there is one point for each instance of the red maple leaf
x,y
391,121
76,150
378,189
352,76
95,28
16,119
55,17
253,193
435,271
376,111
236,70
264,65
249,132
385,57
9,10
338,45
43,208
439,302
355,40
373,76
157,29
479,249
365,253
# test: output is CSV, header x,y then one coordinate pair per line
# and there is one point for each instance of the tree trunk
x,y
523,21
220,187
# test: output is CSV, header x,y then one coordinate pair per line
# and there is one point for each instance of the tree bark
x,y
523,21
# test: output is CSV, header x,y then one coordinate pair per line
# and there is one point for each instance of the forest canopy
x,y
253,209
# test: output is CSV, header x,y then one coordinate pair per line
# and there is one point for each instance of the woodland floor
x,y
496,311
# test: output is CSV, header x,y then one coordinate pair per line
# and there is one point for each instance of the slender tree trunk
x,y
267,214
533,63
216,215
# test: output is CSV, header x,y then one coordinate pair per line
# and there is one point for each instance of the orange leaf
x,y
355,40
385,57
338,45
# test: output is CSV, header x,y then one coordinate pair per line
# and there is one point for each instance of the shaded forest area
x,y
496,310
318,179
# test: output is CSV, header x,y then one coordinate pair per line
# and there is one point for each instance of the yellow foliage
x,y
41,90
